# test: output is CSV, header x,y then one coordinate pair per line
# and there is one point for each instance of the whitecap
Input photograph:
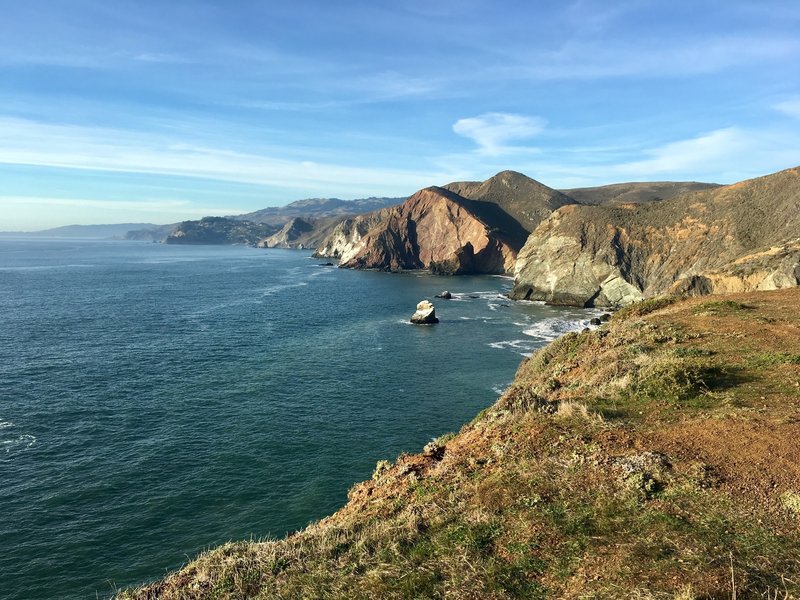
x,y
22,442
549,329
500,388
4,424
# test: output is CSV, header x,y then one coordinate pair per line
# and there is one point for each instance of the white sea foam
x,y
271,290
4,424
511,344
500,388
22,442
549,329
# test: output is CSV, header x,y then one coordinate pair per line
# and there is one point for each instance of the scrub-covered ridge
x,y
653,457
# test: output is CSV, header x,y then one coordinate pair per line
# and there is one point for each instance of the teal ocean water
x,y
158,400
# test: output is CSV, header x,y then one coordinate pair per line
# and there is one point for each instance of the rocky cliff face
x,y
434,229
468,227
734,238
300,233
346,236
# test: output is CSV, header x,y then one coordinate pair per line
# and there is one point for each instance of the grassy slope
x,y
655,457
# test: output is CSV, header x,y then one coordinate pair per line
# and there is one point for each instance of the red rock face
x,y
433,229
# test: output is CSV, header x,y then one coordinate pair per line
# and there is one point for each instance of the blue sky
x,y
162,111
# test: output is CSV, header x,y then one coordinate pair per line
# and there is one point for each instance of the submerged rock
x,y
425,315
445,295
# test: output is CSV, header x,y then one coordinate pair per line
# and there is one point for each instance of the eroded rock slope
x,y
739,237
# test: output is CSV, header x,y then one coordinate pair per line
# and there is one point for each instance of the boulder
x,y
425,315
445,295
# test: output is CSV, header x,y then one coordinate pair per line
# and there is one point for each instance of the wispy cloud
x,y
184,207
493,131
789,107
582,59
723,156
76,147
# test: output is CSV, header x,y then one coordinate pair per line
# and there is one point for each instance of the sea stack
x,y
425,315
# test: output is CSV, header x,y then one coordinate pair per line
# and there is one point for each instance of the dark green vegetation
x,y
219,230
654,457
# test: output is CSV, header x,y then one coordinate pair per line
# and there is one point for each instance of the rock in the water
x,y
425,315
595,321
445,295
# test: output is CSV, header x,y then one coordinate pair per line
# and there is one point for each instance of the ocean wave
x,y
47,267
4,424
22,442
500,388
525,345
547,330
271,290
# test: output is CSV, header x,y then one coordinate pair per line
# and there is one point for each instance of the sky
x,y
154,111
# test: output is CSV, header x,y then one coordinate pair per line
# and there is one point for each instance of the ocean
x,y
159,400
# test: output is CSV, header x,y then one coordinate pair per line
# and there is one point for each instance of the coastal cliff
x,y
735,238
219,231
468,227
653,457
433,229
301,233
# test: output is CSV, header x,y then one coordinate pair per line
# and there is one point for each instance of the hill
x,y
107,231
635,192
739,237
317,208
468,227
654,457
219,230
318,217
301,232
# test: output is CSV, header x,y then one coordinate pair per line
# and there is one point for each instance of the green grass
x,y
720,307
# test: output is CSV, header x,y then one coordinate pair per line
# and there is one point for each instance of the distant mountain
x,y
156,233
318,216
316,208
733,238
635,192
115,230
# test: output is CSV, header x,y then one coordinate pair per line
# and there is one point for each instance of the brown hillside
x,y
733,238
635,192
472,227
434,229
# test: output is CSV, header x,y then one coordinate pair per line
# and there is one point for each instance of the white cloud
x,y
789,107
579,59
493,131
105,149
709,151
169,207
